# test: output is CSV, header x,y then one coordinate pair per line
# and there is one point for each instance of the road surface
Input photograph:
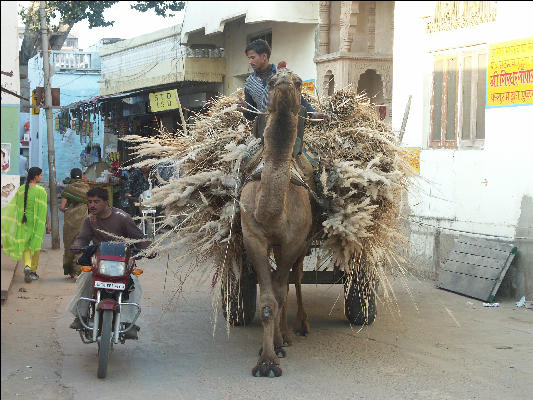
x,y
432,344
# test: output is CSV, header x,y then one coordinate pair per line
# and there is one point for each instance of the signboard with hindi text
x,y
412,156
510,73
309,87
162,101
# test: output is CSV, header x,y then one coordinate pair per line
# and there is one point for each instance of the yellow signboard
x,y
510,73
34,111
309,87
162,101
413,158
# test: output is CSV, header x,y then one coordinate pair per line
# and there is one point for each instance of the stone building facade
x,y
355,48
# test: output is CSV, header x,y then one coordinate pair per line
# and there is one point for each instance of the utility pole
x,y
405,116
49,128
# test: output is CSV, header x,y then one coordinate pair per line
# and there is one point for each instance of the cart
x,y
243,295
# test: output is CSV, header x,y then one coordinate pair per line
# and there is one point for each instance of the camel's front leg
x,y
268,363
301,327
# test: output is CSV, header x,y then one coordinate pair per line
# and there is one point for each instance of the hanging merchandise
x,y
113,159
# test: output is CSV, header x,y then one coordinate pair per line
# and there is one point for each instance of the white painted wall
x,y
10,51
298,52
153,59
212,15
229,24
452,184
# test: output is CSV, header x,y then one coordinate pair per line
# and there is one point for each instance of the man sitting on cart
x,y
255,100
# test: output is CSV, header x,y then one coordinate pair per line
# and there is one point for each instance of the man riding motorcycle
x,y
109,219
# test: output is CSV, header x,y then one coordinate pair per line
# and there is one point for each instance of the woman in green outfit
x,y
74,205
23,223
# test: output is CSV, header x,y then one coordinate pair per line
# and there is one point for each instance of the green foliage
x,y
160,7
70,12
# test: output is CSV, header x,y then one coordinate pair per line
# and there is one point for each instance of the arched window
x,y
372,85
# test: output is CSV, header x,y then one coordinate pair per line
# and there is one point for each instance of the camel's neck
x,y
280,135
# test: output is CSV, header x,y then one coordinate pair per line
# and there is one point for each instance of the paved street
x,y
432,345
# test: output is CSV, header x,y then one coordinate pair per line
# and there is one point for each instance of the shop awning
x,y
101,99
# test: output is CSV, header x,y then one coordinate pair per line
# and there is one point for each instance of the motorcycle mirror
x,y
135,250
84,261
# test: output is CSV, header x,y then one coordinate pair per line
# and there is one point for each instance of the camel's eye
x,y
298,83
271,83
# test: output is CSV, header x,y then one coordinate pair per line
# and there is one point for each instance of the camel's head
x,y
285,92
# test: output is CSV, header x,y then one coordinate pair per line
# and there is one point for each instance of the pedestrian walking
x,y
23,168
74,205
24,221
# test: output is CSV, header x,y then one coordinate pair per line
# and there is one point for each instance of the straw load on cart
x,y
359,182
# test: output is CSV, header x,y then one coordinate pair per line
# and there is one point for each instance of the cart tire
x,y
357,310
148,227
104,347
242,297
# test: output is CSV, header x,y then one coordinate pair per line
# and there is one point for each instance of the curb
x,y
8,272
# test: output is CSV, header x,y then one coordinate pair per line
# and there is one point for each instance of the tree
x,y
71,12
68,13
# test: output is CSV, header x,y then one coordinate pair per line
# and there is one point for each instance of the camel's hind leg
x,y
301,327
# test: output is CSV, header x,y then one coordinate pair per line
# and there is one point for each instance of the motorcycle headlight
x,y
112,268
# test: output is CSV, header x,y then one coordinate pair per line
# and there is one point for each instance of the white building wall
x,y
229,24
298,52
10,51
384,28
213,15
153,59
10,104
480,190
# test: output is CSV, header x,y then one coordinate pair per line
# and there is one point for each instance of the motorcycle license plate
x,y
109,285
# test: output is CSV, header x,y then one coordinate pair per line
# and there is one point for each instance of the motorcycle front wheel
x,y
104,347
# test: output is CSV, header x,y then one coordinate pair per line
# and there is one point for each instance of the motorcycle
x,y
112,265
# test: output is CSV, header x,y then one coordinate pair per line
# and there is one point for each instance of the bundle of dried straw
x,y
362,175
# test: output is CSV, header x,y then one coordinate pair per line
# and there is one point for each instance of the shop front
x,y
144,113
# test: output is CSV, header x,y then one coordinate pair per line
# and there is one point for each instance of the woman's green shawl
x,y
16,236
76,192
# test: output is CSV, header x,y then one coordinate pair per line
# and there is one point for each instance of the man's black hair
x,y
75,173
98,192
259,46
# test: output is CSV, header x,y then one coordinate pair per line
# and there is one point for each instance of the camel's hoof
x,y
268,369
287,340
302,330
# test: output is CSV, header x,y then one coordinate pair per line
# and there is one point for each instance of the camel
x,y
276,216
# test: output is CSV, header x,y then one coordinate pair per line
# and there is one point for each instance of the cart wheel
x,y
242,297
359,299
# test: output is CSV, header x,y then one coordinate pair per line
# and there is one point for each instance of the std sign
x,y
162,101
